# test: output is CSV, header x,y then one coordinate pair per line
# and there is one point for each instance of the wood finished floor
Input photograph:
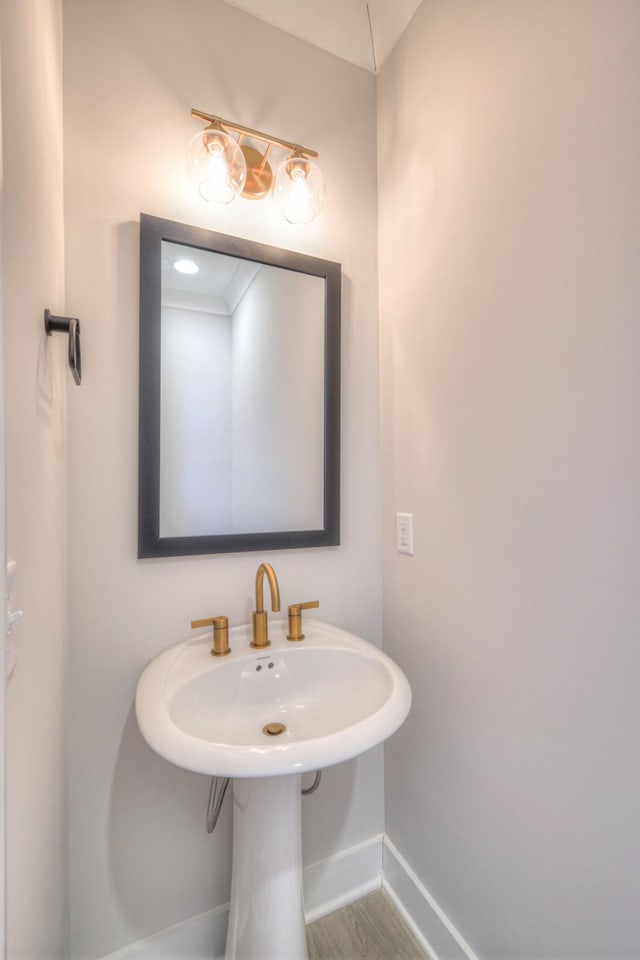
x,y
369,929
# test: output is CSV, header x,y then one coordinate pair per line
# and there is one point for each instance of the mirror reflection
x,y
241,397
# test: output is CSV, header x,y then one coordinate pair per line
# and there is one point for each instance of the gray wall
x,y
509,151
278,365
35,399
195,423
140,859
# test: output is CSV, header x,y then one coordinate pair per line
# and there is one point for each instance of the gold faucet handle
x,y
295,618
220,634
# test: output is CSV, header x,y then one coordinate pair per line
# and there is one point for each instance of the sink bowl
x,y
327,698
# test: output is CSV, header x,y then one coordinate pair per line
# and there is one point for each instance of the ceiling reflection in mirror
x,y
242,396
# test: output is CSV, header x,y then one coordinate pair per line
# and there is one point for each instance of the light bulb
x,y
216,165
298,188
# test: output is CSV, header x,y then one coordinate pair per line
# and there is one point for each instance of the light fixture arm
x,y
249,132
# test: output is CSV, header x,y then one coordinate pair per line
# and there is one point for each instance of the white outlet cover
x,y
404,533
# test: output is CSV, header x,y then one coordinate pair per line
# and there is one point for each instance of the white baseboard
x,y
198,938
328,885
343,878
424,916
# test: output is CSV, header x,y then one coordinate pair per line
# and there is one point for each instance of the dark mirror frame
x,y
153,230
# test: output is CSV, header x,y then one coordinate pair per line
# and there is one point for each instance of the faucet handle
x,y
220,634
295,618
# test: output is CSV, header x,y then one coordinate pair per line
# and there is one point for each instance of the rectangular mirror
x,y
239,394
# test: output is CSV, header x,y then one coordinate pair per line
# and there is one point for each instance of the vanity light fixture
x,y
221,168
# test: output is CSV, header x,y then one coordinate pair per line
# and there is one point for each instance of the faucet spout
x,y
260,627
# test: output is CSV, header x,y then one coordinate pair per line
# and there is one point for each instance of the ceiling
x,y
340,26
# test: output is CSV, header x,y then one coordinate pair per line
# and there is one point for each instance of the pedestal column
x,y
266,916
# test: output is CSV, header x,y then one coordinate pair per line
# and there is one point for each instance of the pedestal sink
x,y
264,717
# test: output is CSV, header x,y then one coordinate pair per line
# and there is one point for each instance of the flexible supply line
x,y
217,791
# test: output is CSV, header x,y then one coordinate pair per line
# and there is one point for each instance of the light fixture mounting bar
x,y
249,132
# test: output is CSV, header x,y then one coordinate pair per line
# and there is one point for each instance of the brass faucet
x,y
295,618
220,626
260,629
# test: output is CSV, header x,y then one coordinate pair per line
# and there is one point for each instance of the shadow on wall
x,y
50,388
321,831
156,832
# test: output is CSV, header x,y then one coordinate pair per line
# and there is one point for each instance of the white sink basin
x,y
335,694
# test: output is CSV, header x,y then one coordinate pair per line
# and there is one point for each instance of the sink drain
x,y
273,729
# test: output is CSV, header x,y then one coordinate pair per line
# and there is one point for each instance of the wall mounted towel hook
x,y
71,326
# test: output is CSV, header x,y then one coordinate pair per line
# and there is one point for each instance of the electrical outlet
x,y
404,533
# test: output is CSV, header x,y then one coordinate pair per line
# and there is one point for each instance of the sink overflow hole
x,y
273,729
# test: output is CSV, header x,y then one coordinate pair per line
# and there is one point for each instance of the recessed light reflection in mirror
x,y
186,266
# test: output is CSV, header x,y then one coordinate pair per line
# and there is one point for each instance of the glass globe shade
x,y
298,189
216,165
